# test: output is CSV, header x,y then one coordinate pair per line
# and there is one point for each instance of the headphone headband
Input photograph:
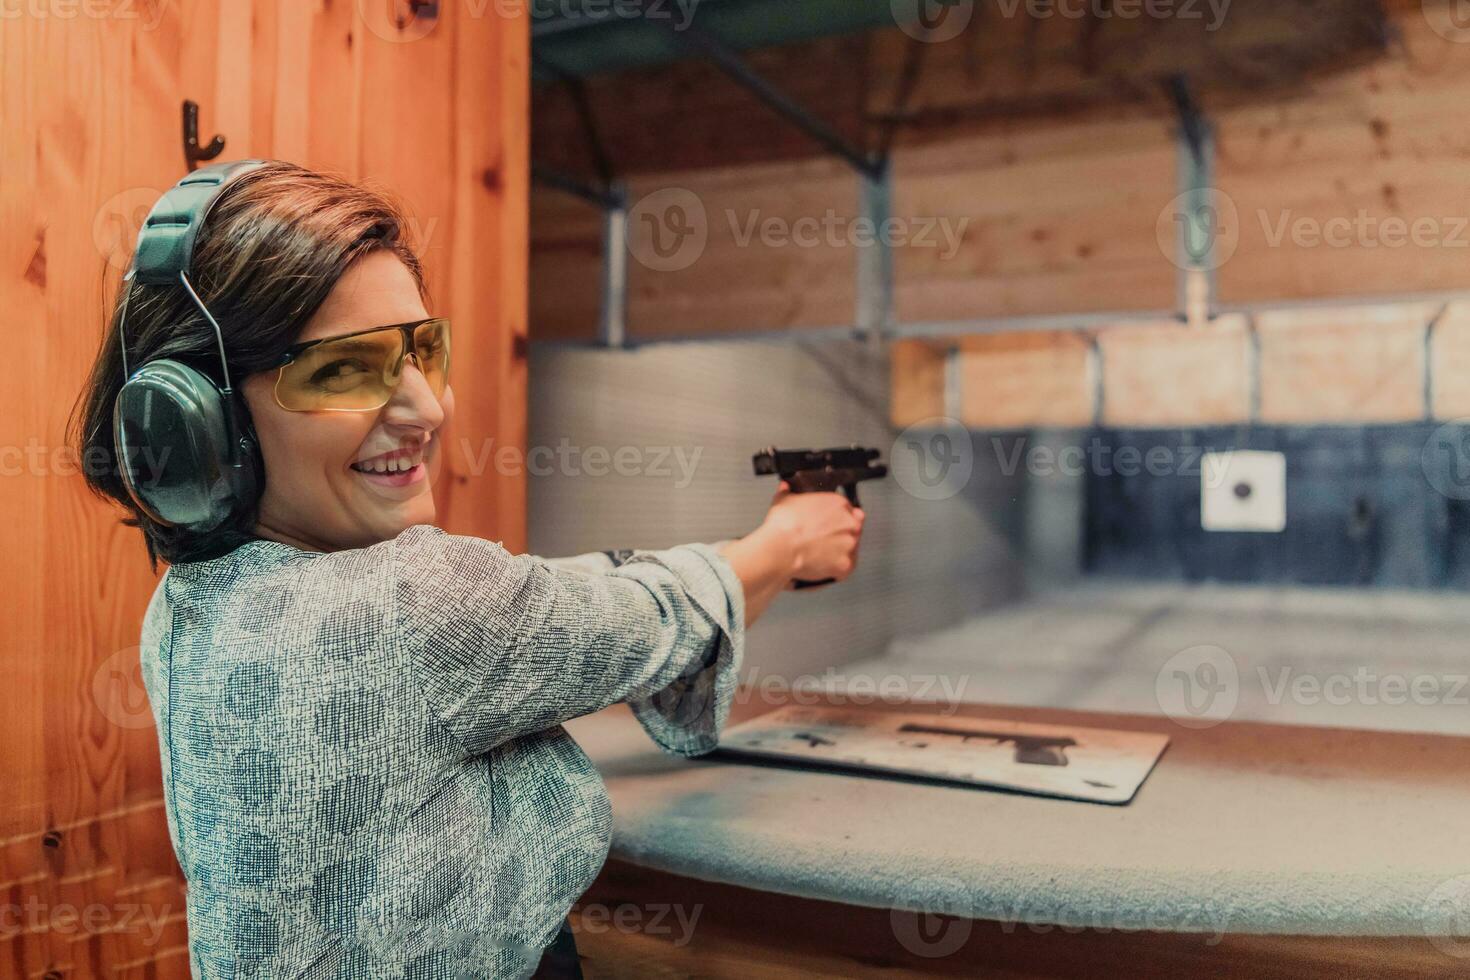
x,y
166,240
165,251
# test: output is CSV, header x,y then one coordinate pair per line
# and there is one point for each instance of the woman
x,y
359,714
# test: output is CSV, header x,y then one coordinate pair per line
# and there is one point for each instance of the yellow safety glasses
x,y
358,372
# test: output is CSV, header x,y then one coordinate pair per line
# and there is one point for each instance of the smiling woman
x,y
365,403
359,715
284,255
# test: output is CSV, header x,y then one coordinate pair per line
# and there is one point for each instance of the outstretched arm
x,y
812,536
508,645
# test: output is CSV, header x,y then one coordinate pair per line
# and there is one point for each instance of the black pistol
x,y
821,471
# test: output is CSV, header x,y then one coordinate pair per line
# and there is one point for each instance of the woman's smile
x,y
404,468
398,468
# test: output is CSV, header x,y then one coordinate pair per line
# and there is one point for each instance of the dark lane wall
x,y
1385,505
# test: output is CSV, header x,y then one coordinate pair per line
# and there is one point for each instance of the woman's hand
x,y
823,529
807,536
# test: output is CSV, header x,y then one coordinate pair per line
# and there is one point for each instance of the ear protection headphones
x,y
186,451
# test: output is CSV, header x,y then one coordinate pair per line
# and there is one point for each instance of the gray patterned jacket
x,y
364,767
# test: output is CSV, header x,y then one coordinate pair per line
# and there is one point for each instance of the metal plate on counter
x,y
1097,765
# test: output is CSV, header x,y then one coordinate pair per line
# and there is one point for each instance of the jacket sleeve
x,y
507,645
593,562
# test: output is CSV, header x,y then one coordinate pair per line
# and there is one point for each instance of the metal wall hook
x,y
192,152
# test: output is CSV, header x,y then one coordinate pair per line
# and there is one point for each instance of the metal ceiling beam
x,y
612,327
602,197
874,285
1198,214
618,37
563,23
577,89
730,62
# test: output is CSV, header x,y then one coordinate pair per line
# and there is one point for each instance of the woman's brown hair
x,y
274,244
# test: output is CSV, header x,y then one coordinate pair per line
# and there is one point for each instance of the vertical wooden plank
x,y
406,129
199,74
1451,365
293,74
565,266
264,53
333,95
488,272
1355,365
917,386
23,279
1157,375
233,110
1025,379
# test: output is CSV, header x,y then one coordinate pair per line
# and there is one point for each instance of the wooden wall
x,y
1048,149
1044,145
1353,185
722,273
1356,364
89,136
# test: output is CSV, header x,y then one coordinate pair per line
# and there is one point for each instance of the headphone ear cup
x,y
249,468
176,450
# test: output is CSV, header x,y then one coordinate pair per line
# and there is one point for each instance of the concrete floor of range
x,y
1379,660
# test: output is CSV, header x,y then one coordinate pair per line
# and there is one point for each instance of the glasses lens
x,y
431,350
351,374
